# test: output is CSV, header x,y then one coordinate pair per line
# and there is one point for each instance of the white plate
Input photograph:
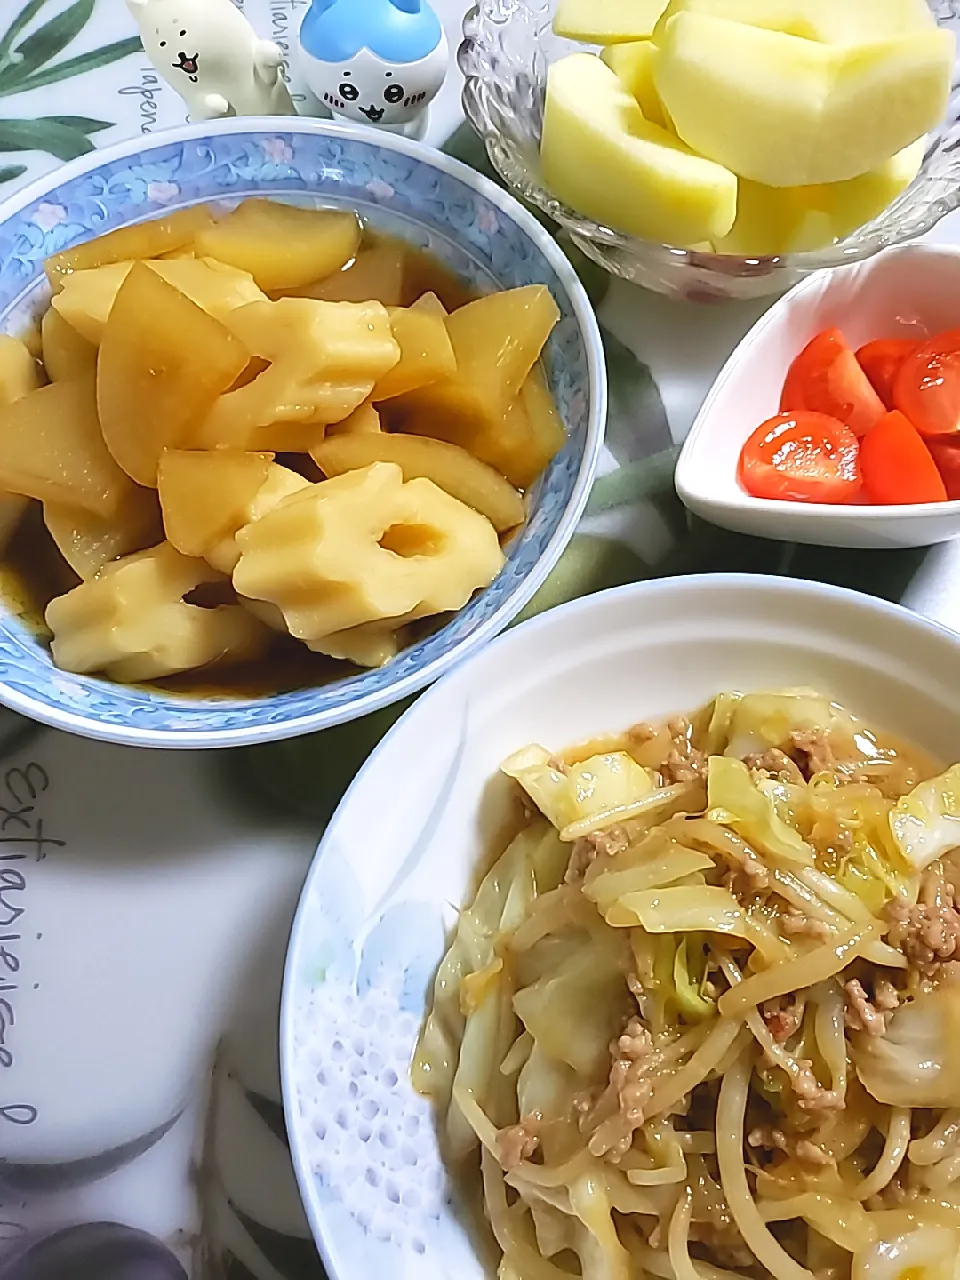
x,y
405,844
905,293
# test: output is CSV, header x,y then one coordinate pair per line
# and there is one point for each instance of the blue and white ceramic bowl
x,y
402,853
402,188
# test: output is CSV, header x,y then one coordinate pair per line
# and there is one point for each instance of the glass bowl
x,y
507,49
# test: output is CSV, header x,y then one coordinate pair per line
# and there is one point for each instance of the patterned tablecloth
x,y
141,948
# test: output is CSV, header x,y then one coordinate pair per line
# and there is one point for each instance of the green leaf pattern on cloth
x,y
74,66
65,137
30,59
43,44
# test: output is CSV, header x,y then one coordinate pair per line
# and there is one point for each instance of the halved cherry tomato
x,y
825,378
946,454
881,361
801,457
927,388
897,466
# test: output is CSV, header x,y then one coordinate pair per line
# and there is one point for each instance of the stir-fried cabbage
x,y
916,1061
545,1084
680,909
568,793
690,978
869,864
926,823
735,800
574,1012
702,1020
791,801
759,721
612,887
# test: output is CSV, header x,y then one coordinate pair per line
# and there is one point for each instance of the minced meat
x,y
928,934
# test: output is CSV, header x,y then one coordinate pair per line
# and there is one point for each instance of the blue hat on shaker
x,y
397,31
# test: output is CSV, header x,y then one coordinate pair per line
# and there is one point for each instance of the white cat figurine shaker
x,y
377,62
209,53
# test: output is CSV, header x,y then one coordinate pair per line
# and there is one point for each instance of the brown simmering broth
x,y
33,572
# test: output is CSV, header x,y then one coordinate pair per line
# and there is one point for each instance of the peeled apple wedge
x,y
607,21
602,158
829,21
634,65
777,220
788,112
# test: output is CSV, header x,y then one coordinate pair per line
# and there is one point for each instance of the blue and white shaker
x,y
376,62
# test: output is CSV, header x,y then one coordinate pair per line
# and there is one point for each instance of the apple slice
x,y
830,21
602,158
788,112
634,64
776,220
607,21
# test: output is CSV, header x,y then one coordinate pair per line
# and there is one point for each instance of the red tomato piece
x,y
801,457
946,454
826,378
927,388
881,361
896,465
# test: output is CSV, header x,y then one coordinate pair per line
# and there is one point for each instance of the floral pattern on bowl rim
x,y
402,188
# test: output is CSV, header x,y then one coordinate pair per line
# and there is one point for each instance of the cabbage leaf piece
x,y
575,792
758,721
916,1062
926,823
574,1011
680,909
735,801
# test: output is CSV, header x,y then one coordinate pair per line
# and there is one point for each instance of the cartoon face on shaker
x,y
211,55
378,62
168,42
372,91
188,63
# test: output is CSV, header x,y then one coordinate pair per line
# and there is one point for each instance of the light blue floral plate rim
x,y
470,223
